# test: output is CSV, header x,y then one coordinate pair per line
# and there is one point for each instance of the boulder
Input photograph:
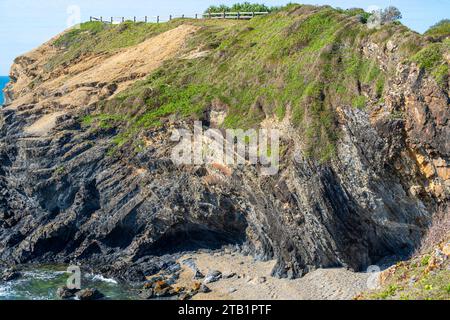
x,y
66,293
89,294
213,276
162,289
146,294
198,275
10,274
204,289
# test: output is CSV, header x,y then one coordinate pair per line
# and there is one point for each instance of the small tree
x,y
390,14
380,17
217,9
249,7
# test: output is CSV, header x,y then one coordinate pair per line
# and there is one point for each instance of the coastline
x,y
3,82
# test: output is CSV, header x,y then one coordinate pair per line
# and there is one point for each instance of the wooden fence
x,y
158,19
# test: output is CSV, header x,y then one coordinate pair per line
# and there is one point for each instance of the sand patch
x,y
196,54
82,81
253,280
138,61
43,125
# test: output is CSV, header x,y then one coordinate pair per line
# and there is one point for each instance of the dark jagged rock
x,y
89,294
204,289
10,275
146,294
213,276
66,293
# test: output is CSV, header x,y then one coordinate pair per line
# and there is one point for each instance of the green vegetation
x,y
416,284
389,292
98,37
425,276
104,121
420,278
241,7
440,29
431,58
359,102
425,260
282,61
299,62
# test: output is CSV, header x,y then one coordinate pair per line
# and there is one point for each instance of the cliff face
x,y
86,173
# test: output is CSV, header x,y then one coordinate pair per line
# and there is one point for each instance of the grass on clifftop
x,y
301,62
440,29
97,37
288,63
431,58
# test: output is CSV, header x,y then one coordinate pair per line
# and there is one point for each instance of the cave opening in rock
x,y
191,236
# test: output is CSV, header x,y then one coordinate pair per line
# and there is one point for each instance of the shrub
x,y
438,232
429,57
241,7
359,102
440,29
380,17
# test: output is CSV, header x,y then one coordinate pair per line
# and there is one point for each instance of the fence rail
x,y
158,19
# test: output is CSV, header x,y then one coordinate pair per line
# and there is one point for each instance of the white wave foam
x,y
99,277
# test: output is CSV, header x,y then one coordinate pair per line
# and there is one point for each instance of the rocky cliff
x,y
86,174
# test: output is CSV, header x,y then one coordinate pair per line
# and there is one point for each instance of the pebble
x,y
228,275
204,289
10,275
198,274
213,276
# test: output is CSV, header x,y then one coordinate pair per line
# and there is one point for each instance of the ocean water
x,y
41,283
3,82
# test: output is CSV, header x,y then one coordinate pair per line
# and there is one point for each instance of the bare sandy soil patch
x,y
77,85
137,61
253,281
44,124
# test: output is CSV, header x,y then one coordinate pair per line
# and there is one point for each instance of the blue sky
x,y
25,24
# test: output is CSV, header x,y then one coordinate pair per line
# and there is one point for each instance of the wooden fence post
x,y
209,15
170,18
123,19
145,19
196,16
112,20
157,19
224,14
253,14
101,19
134,19
238,15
